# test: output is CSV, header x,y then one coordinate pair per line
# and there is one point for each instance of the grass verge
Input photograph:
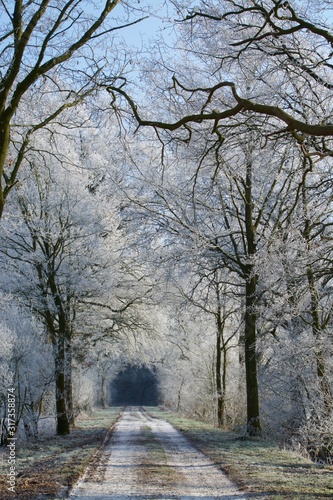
x,y
257,466
155,460
48,468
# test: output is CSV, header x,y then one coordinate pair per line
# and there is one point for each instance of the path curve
x,y
147,458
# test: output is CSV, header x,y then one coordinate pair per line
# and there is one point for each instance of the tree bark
x,y
68,381
59,357
4,146
218,377
253,416
220,364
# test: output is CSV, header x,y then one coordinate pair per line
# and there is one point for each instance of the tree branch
x,y
242,105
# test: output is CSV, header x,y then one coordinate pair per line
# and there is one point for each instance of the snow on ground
x,y
148,459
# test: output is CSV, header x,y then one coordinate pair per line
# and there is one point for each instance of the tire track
x,y
148,459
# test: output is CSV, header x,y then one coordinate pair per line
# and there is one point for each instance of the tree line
x,y
182,218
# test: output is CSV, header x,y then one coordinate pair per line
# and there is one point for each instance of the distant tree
x,y
217,215
212,295
25,366
65,250
185,360
53,256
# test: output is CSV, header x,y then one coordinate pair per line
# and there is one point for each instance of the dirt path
x,y
148,459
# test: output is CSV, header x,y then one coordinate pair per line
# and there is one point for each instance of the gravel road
x,y
148,459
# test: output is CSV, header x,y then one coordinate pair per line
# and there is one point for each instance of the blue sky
x,y
156,22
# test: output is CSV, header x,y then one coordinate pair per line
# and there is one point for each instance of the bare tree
x,y
48,47
24,366
219,213
287,48
212,294
65,251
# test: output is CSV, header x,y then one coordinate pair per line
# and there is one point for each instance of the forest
x,y
166,197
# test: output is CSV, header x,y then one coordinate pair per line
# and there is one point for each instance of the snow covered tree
x,y
59,47
261,68
213,216
25,365
55,249
298,304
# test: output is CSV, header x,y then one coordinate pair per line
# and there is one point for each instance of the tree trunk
x,y
68,381
220,399
252,392
4,146
253,417
220,368
179,395
59,357
224,384
61,338
103,398
30,422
